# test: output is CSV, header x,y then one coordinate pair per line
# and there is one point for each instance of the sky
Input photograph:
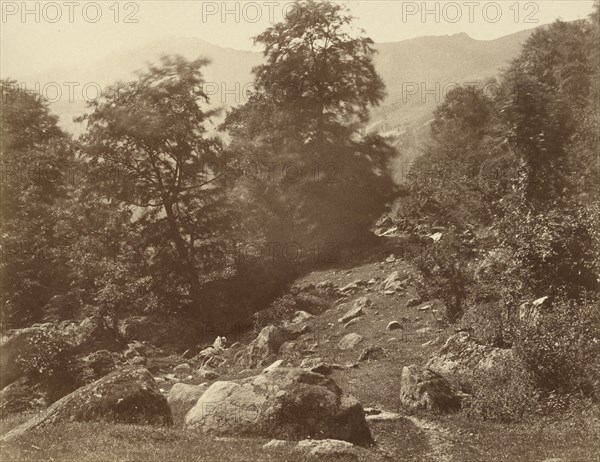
x,y
42,34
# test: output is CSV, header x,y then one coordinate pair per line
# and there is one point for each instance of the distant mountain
x,y
407,67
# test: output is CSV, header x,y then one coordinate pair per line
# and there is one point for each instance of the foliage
x,y
506,394
562,350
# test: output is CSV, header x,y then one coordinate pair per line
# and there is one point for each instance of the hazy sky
x,y
51,32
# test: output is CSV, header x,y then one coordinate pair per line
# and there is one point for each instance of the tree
x,y
36,159
148,147
312,94
319,72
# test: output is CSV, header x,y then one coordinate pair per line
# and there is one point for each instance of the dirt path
x,y
440,439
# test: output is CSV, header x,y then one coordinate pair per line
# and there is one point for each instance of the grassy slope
x,y
375,383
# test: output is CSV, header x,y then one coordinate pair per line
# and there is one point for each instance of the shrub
x,y
444,267
506,394
50,362
562,350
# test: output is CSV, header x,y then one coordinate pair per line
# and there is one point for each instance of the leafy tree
x,y
312,93
151,135
36,159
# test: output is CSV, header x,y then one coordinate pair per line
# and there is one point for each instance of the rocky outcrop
x,y
425,389
127,396
283,403
462,355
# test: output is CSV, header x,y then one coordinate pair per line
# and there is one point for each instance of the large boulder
x,y
182,397
20,396
287,403
126,396
424,389
462,355
91,334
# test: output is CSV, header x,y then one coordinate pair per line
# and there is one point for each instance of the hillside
x,y
423,60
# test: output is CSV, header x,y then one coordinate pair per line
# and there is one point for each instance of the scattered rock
x,y
349,288
393,325
181,371
138,361
423,330
277,445
126,396
371,353
413,302
349,341
391,258
301,316
393,283
284,403
275,365
425,389
206,374
355,312
351,323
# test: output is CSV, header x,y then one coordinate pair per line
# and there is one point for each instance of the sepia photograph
x,y
300,231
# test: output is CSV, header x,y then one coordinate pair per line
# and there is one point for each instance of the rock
x,y
211,356
425,307
372,282
393,282
101,362
423,330
375,415
349,341
126,396
363,302
20,396
435,341
266,344
182,397
413,302
325,285
138,361
328,448
461,355
301,316
425,389
275,365
530,313
371,353
220,343
355,312
322,368
352,322
284,403
349,288
277,445
181,371
391,258
393,325
206,374
554,459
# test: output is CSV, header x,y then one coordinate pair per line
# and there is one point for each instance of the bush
x,y
51,363
562,350
444,267
506,394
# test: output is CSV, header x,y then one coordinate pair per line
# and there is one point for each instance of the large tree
x,y
312,95
148,147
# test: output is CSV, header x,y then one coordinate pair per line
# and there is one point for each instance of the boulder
x,y
206,374
393,325
393,282
20,396
349,341
373,352
425,389
286,403
101,362
354,313
181,371
126,396
265,345
182,397
462,355
328,449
